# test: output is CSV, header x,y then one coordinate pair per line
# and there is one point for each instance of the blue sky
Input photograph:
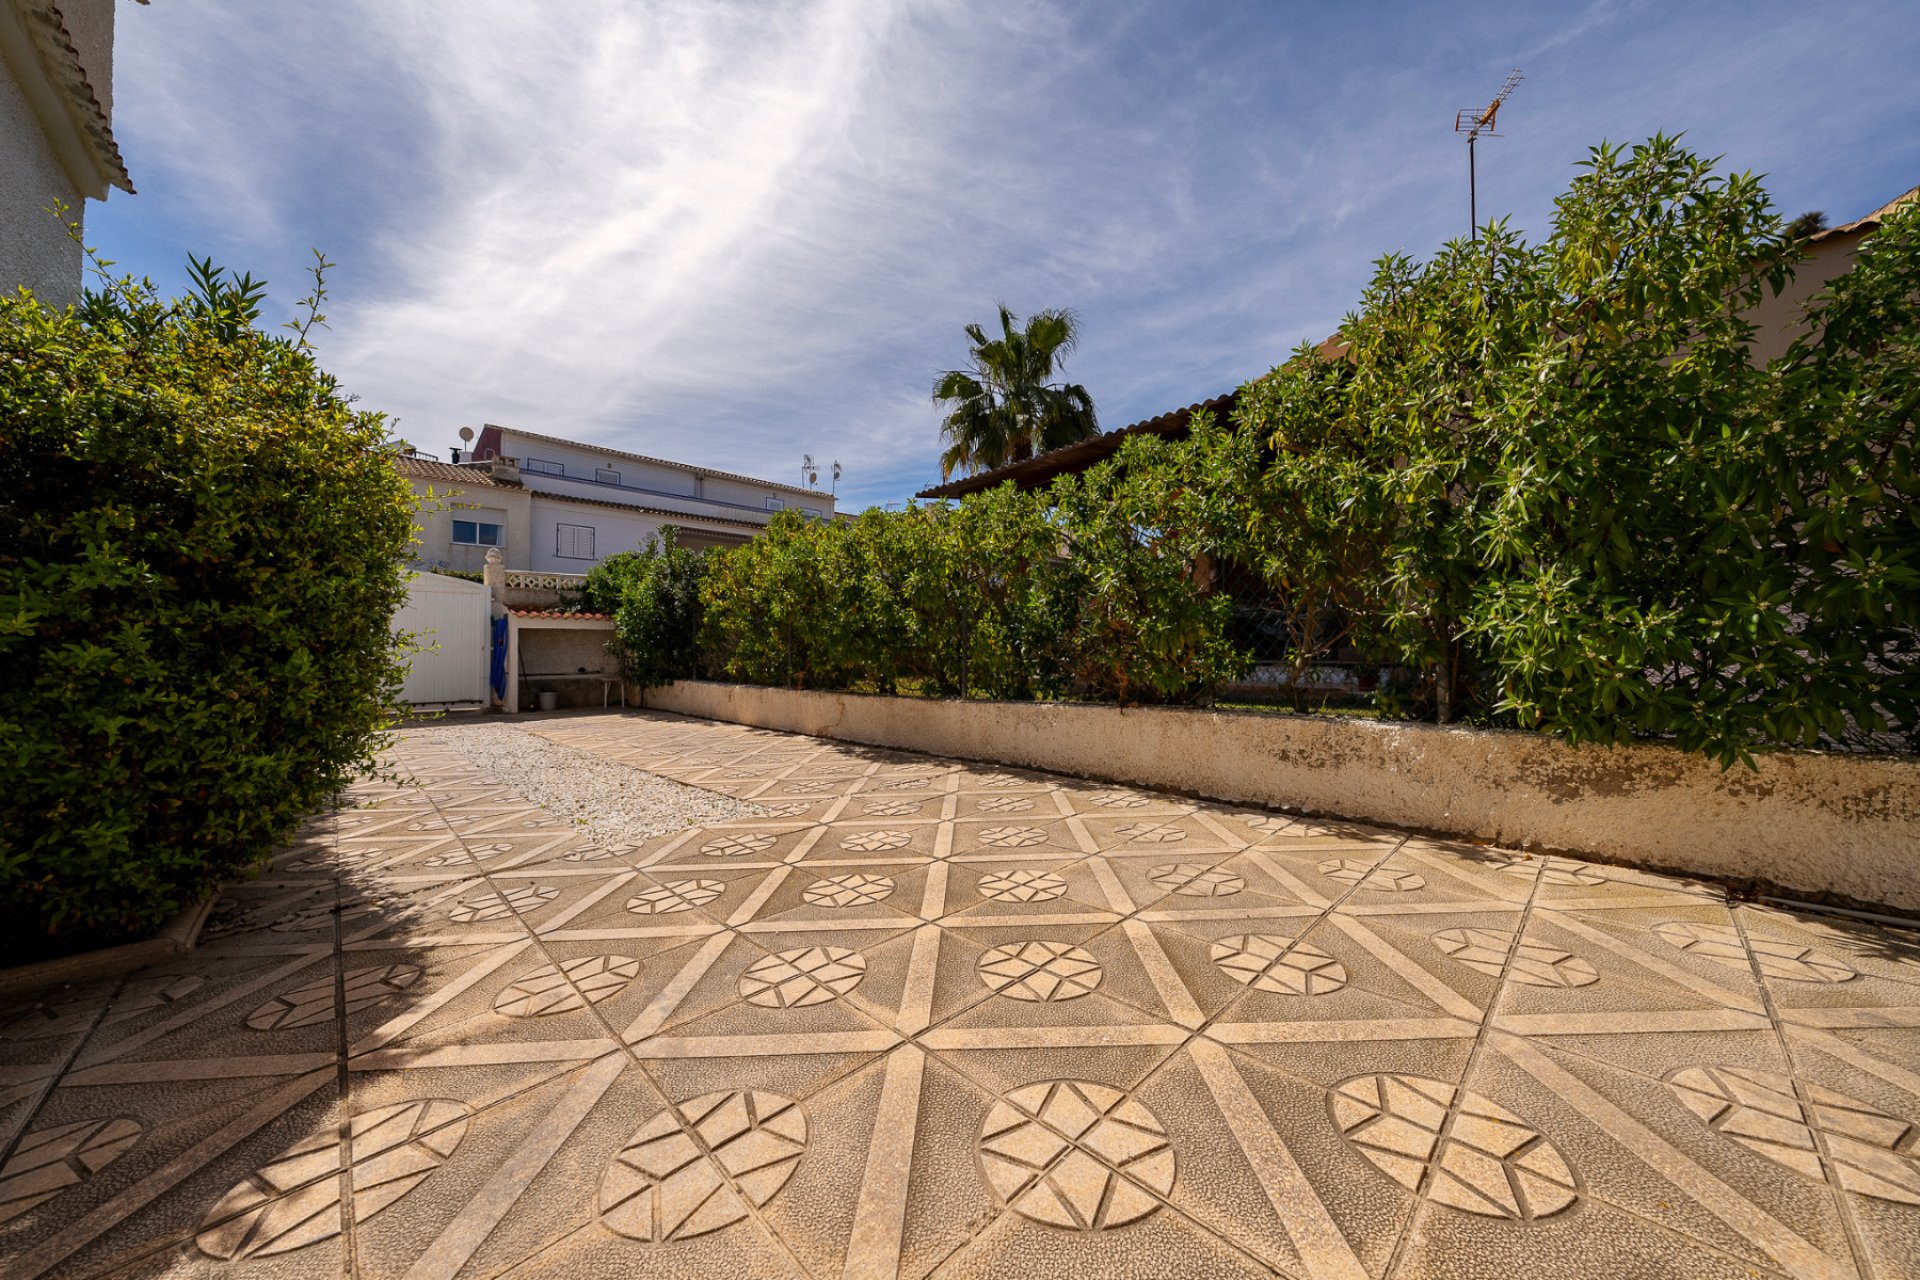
x,y
734,233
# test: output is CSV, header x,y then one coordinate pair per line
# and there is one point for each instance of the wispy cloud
x,y
737,232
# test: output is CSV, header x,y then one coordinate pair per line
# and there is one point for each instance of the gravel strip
x,y
615,803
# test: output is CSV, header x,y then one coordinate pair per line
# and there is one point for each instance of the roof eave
x,y
39,50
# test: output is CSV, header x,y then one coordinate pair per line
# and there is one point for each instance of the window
x,y
775,504
575,542
477,533
605,476
813,513
545,468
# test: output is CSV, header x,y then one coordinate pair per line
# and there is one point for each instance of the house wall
x,y
1806,821
613,532
440,505
1782,318
35,249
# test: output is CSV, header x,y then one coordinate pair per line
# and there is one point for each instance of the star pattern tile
x,y
920,1018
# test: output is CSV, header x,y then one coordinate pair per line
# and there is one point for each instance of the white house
x,y
56,137
560,506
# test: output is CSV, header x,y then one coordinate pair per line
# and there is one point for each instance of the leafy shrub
x,y
1553,479
1004,595
654,597
202,558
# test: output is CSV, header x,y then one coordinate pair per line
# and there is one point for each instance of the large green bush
x,y
1067,593
654,597
200,558
1552,480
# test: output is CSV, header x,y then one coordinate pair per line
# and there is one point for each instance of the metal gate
x,y
448,618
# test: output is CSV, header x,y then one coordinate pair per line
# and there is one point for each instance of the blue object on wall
x,y
500,656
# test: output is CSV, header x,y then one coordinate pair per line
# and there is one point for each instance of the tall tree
x,y
1006,406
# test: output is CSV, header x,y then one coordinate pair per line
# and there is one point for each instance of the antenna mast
x,y
1477,123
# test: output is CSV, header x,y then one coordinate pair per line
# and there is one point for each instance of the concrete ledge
x,y
1843,826
176,938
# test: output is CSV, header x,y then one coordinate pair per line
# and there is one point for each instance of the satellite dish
x,y
466,435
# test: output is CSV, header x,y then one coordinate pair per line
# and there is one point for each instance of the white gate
x,y
448,617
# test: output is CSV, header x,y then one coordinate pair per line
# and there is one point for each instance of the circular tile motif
x,y
1117,799
49,1161
1075,1154
1491,1162
1046,972
564,988
1005,804
1534,963
894,808
1012,837
38,1019
291,1203
1383,880
1022,886
459,857
1870,1153
849,891
702,1165
1269,962
787,808
1788,961
313,1003
1151,833
1000,780
737,846
592,853
802,977
675,895
1196,879
1267,823
1561,873
874,841
496,906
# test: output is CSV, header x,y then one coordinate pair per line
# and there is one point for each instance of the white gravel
x,y
615,803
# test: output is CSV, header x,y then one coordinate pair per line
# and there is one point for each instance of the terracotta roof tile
x,y
420,467
557,613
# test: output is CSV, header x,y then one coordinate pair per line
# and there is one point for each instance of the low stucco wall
x,y
1808,822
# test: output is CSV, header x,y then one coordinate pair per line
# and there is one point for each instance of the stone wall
x,y
1809,823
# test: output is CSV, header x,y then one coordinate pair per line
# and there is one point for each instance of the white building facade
x,y
561,506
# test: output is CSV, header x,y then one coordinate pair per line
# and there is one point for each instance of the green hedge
x,y
200,563
1006,595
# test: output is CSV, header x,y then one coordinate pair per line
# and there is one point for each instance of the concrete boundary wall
x,y
1807,822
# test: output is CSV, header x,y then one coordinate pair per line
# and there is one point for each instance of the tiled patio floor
x,y
932,1018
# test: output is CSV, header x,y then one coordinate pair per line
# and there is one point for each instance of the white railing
x,y
526,578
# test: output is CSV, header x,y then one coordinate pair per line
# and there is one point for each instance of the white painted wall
x,y
1809,821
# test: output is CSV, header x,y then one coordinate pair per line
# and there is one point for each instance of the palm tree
x,y
1007,407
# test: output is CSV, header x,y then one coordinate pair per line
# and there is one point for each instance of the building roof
x,y
1032,473
34,37
420,467
594,447
1871,222
557,613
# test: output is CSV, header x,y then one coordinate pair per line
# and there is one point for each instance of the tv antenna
x,y
809,474
1479,123
835,490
